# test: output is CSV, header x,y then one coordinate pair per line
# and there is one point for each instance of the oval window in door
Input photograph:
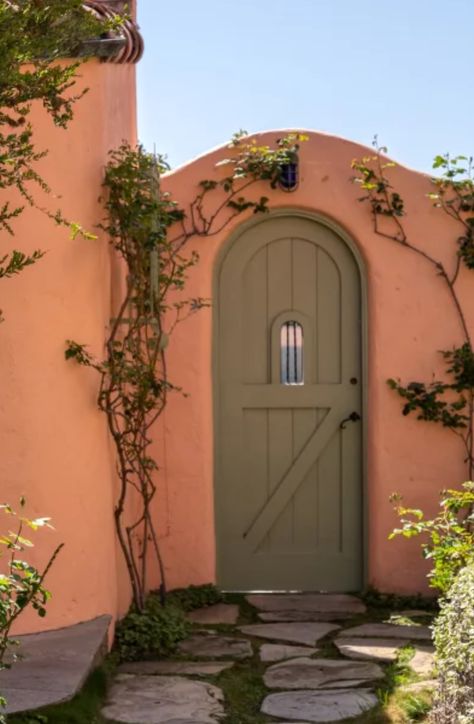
x,y
291,353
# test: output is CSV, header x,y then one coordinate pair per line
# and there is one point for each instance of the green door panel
x,y
288,487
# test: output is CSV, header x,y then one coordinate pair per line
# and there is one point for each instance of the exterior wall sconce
x,y
289,175
105,48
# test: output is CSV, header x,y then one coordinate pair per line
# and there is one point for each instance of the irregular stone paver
x,y
191,668
300,633
210,647
219,613
373,649
321,674
163,699
326,602
416,613
290,616
319,706
389,630
423,661
314,690
277,652
54,665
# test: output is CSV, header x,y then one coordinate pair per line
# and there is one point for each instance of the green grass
x,y
415,706
411,621
244,692
399,706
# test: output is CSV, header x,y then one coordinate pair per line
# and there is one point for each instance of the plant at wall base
x,y
21,584
156,631
449,537
153,632
150,233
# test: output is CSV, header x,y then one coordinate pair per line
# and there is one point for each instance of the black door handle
x,y
353,417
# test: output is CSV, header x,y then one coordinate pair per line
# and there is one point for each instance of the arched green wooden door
x,y
288,372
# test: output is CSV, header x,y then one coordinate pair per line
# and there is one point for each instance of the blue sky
x,y
401,69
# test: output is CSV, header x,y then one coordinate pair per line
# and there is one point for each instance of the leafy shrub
x,y
153,633
450,535
454,641
21,584
157,631
195,596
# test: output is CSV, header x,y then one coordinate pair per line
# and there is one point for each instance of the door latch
x,y
353,417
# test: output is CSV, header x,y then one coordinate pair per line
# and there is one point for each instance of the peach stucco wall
x,y
409,317
55,445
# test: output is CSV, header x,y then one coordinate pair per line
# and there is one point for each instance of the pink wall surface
x,y
56,449
59,452
409,317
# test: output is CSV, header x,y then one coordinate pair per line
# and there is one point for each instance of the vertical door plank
x,y
255,331
328,313
280,421
280,442
305,299
330,510
305,537
254,473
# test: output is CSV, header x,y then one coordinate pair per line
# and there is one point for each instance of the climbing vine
x,y
448,402
150,232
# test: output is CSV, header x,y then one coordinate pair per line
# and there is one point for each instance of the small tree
x,y
34,36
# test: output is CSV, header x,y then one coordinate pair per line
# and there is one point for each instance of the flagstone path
x,y
320,665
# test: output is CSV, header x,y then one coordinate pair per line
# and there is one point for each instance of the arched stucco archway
x,y
406,329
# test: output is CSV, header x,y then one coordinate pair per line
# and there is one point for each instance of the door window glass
x,y
291,351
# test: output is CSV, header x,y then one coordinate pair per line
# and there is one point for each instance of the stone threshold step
x,y
54,665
